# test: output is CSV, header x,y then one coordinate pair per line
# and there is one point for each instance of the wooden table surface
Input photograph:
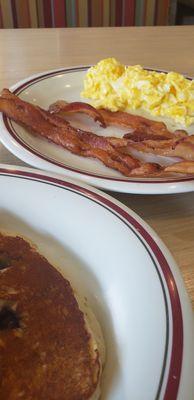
x,y
25,52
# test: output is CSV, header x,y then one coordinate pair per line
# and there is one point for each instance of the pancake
x,y
47,346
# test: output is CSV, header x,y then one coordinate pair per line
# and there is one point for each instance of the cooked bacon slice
x,y
148,136
147,169
61,107
182,148
141,136
59,131
142,127
159,147
182,167
7,94
138,123
113,152
39,121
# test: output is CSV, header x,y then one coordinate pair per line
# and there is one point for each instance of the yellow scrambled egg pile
x,y
116,87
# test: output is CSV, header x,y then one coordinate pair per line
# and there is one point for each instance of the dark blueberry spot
x,y
8,318
4,262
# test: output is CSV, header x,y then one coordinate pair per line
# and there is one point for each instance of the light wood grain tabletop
x,y
25,52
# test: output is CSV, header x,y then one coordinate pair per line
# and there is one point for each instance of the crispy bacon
x,y
139,124
61,107
148,136
147,169
182,148
112,151
159,147
183,167
142,127
141,136
59,131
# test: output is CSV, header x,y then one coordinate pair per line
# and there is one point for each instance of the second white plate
x,y
128,276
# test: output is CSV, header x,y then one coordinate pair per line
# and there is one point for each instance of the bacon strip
x,y
182,148
148,136
142,127
138,123
113,152
79,142
183,167
62,107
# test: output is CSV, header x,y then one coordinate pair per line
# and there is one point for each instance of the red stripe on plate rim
x,y
174,374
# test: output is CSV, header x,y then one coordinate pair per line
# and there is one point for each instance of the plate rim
x,y
153,242
33,157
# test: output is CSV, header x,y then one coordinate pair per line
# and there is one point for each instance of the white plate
x,y
128,276
44,89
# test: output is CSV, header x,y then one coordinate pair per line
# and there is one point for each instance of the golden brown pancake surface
x,y
45,348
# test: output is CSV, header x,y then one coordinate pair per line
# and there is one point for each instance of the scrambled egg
x,y
116,87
